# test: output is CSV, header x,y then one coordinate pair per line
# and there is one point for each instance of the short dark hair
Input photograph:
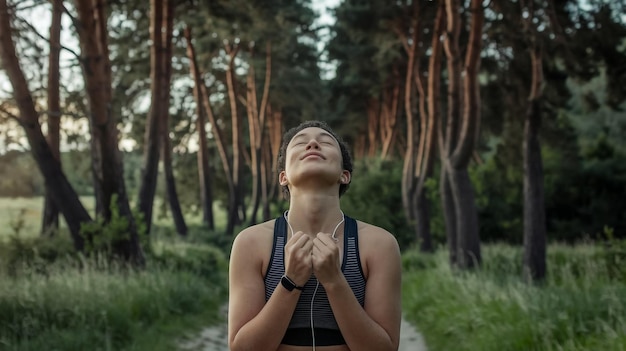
x,y
345,152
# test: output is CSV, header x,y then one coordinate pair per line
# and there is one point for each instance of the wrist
x,y
335,284
289,284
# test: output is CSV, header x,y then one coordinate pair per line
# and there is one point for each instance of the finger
x,y
320,250
325,239
298,239
308,246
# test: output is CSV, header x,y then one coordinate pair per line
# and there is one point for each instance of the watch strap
x,y
289,284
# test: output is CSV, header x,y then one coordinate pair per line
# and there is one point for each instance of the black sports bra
x,y
325,326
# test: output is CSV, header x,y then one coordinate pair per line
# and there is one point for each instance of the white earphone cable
x,y
343,218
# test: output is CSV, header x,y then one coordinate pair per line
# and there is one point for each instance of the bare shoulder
x,y
253,245
376,246
371,235
255,234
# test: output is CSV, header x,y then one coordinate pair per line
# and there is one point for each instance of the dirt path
x,y
215,339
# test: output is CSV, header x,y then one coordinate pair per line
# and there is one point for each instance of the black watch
x,y
289,284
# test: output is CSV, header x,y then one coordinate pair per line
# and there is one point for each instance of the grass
x,y
579,307
53,300
72,308
22,216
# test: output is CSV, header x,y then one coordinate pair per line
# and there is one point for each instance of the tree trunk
x,y
409,181
107,159
60,190
235,200
389,115
373,124
468,242
170,187
204,171
266,172
203,100
256,126
461,146
428,130
534,208
154,123
50,220
275,133
166,148
422,222
451,45
449,214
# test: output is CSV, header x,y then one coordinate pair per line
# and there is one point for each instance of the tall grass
x,y
87,307
52,298
579,307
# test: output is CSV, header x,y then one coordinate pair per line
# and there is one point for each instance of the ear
x,y
345,177
282,179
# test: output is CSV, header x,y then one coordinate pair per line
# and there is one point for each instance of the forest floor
x,y
215,338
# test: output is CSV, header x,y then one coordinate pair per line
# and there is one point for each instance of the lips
x,y
313,154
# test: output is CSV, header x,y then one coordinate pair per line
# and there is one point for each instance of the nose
x,y
312,144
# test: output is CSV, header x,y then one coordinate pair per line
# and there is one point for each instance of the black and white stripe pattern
x,y
322,313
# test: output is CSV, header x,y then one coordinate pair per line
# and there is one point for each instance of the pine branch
x,y
47,40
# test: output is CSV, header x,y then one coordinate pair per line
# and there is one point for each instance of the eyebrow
x,y
326,134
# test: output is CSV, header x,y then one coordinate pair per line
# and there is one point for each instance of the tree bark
x,y
460,144
275,133
449,213
107,159
170,188
256,126
60,190
389,115
428,131
154,124
451,46
409,181
235,204
166,148
50,220
373,124
534,208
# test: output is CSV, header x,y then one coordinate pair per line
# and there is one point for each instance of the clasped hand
x,y
305,255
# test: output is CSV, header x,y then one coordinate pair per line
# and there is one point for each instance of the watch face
x,y
287,283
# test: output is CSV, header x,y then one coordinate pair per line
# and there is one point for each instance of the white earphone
x,y
343,218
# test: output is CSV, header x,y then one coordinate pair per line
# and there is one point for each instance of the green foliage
x,y
614,254
101,236
18,253
578,308
375,196
206,261
80,309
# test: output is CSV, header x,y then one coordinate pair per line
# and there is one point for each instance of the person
x,y
314,278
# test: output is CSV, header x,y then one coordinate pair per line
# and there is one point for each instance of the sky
x,y
325,18
39,17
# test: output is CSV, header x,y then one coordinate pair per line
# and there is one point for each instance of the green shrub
x,y
578,307
204,260
375,196
17,253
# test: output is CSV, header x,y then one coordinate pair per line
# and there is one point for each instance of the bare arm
x,y
376,326
254,324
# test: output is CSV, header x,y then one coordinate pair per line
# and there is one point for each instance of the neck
x,y
312,213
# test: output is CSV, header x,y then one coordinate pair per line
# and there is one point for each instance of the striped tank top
x,y
323,318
